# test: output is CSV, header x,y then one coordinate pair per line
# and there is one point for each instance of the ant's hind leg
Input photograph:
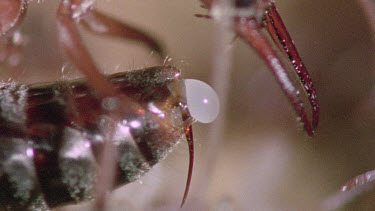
x,y
104,25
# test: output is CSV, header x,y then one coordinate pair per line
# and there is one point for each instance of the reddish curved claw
x,y
189,138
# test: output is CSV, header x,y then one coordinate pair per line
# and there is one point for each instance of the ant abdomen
x,y
50,154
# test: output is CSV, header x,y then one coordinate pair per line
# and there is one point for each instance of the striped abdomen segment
x,y
49,156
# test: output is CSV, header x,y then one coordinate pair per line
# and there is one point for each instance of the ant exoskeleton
x,y
108,97
61,138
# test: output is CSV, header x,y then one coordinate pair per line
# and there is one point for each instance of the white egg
x,y
202,101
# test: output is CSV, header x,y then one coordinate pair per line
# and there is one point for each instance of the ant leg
x,y
71,42
12,13
249,30
104,25
281,37
348,192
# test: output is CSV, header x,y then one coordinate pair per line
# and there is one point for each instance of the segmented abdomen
x,y
52,134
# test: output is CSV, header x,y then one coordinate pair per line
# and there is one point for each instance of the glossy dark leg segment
x,y
281,37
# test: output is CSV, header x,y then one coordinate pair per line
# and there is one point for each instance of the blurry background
x,y
265,162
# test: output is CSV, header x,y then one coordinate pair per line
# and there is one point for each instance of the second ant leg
x,y
104,25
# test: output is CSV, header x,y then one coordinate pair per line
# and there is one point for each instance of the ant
x,y
117,102
104,130
46,121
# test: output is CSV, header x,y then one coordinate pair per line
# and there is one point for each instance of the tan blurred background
x,y
265,162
